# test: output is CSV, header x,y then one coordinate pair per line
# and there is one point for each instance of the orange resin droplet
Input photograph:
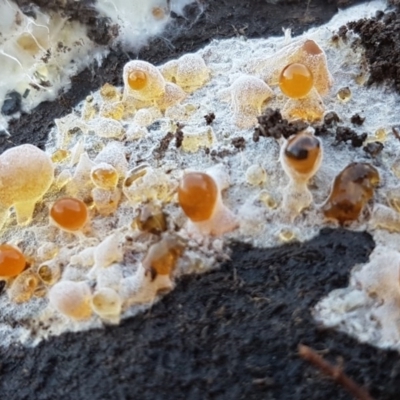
x,y
69,214
302,152
351,190
137,80
12,261
296,80
197,195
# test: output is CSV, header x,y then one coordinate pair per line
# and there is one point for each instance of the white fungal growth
x,y
26,174
145,183
247,95
191,72
107,128
71,299
106,200
108,251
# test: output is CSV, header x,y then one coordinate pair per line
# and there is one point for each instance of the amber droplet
x,y
137,80
303,152
69,214
312,48
296,80
351,190
197,195
158,13
166,263
12,261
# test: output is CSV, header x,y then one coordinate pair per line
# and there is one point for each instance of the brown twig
x,y
336,373
396,132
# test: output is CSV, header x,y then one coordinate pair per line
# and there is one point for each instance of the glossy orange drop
x,y
12,261
351,190
69,214
137,80
302,152
296,80
197,195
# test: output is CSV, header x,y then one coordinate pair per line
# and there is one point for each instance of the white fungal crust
x,y
26,174
106,200
71,299
144,183
155,86
107,128
248,94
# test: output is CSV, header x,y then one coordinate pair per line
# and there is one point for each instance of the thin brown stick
x,y
336,373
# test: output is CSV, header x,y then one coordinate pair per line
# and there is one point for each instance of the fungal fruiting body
x,y
351,190
199,196
247,95
104,176
142,81
190,72
161,261
296,80
69,214
301,158
26,174
23,287
71,299
12,261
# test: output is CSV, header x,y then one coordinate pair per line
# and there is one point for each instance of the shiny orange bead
x,y
137,80
69,214
296,80
197,195
12,261
302,152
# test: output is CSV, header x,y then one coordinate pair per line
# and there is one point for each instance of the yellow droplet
x,y
296,80
344,94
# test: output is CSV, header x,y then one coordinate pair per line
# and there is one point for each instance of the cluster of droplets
x,y
148,92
